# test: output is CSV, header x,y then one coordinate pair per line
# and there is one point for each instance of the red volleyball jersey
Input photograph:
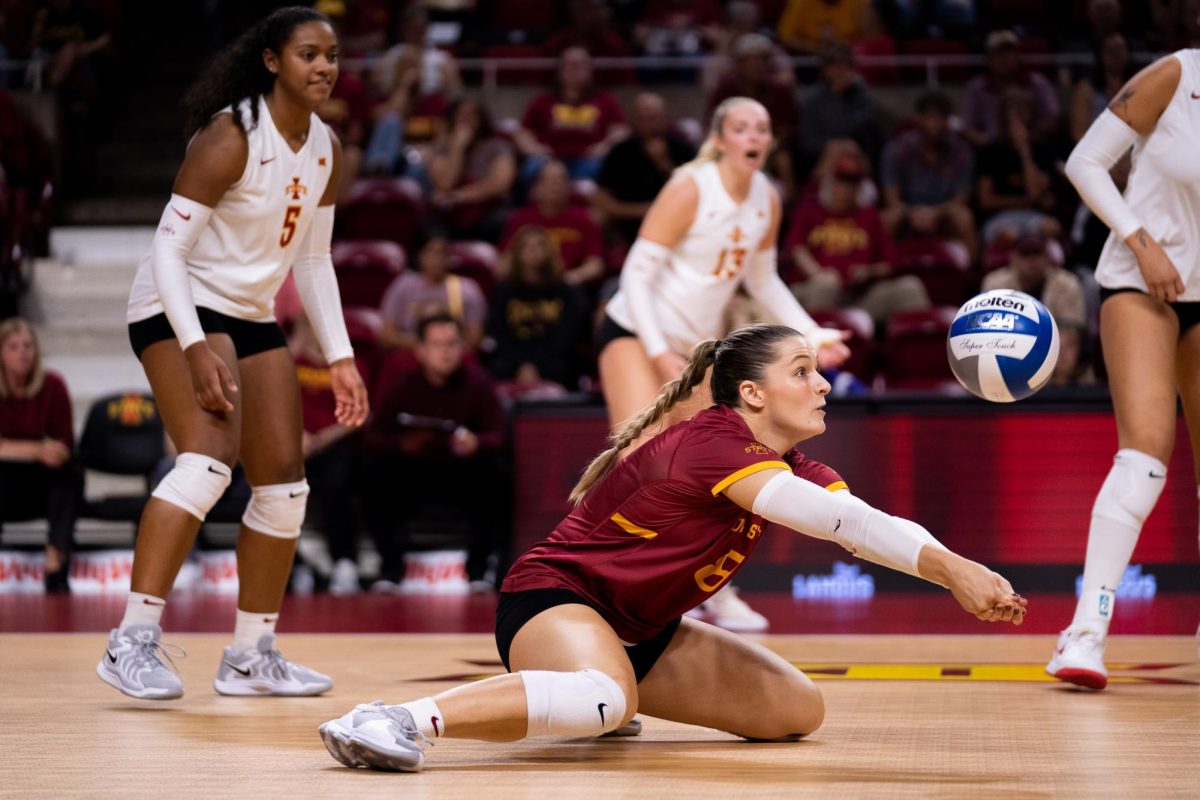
x,y
656,537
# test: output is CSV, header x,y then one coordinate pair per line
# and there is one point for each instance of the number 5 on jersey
x,y
289,225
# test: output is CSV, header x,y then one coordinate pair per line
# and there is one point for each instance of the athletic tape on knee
x,y
583,703
277,510
1131,488
195,484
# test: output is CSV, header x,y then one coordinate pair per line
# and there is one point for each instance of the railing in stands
x,y
933,65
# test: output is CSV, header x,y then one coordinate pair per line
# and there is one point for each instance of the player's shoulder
x,y
721,424
814,471
683,186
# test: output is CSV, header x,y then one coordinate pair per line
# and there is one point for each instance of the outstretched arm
x,y
900,544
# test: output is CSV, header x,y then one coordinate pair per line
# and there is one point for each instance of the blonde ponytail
x,y
674,392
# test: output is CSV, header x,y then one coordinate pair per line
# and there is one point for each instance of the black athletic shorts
x,y
1188,313
609,330
249,338
517,608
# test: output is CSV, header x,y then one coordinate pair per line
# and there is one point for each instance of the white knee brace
x,y
583,703
195,484
1131,488
277,510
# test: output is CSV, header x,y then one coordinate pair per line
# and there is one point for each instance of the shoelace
x,y
401,725
151,652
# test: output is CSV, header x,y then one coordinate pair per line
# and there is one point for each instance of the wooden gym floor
x,y
907,716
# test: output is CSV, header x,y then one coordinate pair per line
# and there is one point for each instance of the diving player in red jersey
x,y
589,620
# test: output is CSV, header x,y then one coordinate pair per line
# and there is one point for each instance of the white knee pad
x,y
583,703
195,484
277,510
1131,488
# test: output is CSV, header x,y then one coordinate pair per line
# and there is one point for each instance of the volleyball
x,y
1003,345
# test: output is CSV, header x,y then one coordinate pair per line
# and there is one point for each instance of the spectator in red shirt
x,y
579,241
439,432
328,456
844,252
577,123
38,476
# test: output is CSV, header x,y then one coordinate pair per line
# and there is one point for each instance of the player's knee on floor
x,y
1131,489
574,704
195,483
277,510
789,706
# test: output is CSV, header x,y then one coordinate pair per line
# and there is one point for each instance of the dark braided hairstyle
x,y
743,355
238,72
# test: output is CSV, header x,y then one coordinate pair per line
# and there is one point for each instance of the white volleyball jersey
x,y
706,267
244,253
1164,190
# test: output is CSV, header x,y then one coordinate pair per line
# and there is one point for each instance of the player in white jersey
x,y
1149,274
711,229
253,199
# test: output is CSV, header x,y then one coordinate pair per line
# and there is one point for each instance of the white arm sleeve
x,y
762,281
840,517
639,279
317,286
182,222
1101,147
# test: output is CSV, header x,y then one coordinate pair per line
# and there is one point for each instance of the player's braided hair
x,y
742,355
238,72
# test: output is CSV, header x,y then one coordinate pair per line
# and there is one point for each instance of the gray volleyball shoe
x,y
263,671
377,736
133,664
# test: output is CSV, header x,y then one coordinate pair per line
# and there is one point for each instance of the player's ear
x,y
751,395
270,61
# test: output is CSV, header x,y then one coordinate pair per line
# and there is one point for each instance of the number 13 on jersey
x,y
730,262
289,225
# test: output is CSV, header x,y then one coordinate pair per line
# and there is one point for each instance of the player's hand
x,y
985,594
1161,276
669,366
211,379
349,393
464,443
831,345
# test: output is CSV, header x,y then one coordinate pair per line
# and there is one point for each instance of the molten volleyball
x,y
1003,345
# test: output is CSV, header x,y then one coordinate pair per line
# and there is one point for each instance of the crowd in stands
x,y
475,254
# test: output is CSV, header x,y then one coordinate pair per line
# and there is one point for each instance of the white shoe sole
x,y
351,751
145,694
241,688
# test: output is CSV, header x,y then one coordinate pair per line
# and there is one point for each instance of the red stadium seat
x,y
943,265
538,15
915,350
478,261
861,342
382,208
511,391
364,270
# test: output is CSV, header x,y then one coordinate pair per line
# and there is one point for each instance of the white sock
x,y
428,717
250,627
1122,505
142,609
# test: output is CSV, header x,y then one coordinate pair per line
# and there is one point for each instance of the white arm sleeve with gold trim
x,y
843,518
182,222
